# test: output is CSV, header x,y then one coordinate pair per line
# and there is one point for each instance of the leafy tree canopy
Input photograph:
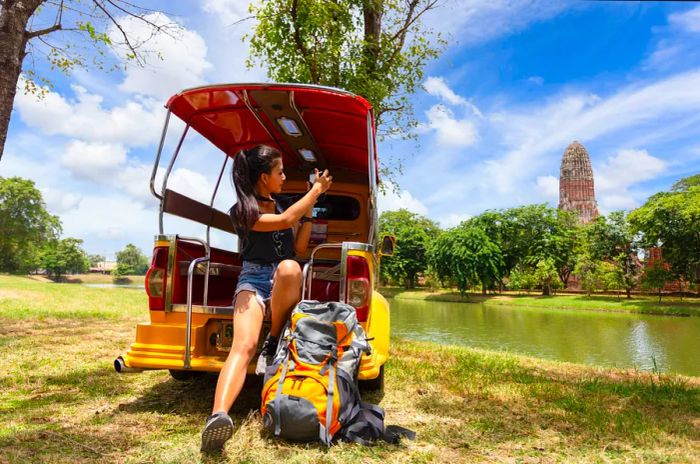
x,y
467,256
64,256
413,234
374,48
132,260
25,225
612,239
672,220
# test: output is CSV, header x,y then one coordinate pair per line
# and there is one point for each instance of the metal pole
x,y
160,150
167,175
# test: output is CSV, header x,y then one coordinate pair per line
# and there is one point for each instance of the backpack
x,y
310,391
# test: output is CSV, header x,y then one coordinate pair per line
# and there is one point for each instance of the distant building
x,y
104,267
576,190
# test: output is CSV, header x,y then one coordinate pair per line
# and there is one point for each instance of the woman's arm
x,y
270,222
302,234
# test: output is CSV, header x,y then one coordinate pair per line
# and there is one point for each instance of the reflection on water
x,y
590,337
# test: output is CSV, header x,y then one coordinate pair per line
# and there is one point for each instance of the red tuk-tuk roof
x,y
238,116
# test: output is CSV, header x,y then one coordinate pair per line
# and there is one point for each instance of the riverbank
x,y
60,400
669,306
92,278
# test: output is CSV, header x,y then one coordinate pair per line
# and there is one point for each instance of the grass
x,y
60,400
670,306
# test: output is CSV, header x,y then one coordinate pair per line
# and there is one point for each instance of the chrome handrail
x,y
307,273
157,161
167,175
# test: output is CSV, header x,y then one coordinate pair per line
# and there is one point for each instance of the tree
x,y
656,275
529,234
671,220
89,21
132,260
413,234
588,272
613,239
25,225
64,256
373,48
467,256
521,278
546,275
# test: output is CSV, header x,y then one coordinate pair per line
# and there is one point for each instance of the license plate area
x,y
224,335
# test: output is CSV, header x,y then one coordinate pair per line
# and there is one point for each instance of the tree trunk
x,y
373,11
659,294
629,293
14,17
483,290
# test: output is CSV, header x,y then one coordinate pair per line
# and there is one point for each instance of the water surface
x,y
669,344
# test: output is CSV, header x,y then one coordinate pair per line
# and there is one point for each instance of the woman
x,y
269,239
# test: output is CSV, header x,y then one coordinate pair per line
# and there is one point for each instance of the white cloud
x,y
453,219
536,80
620,172
59,201
97,162
135,123
227,11
688,20
451,132
548,187
177,59
437,87
391,201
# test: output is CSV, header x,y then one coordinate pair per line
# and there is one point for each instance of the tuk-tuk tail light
x,y
155,279
357,285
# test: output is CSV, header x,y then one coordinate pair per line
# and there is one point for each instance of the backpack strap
x,y
278,396
326,434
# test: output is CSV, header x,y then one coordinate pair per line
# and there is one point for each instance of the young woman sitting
x,y
269,239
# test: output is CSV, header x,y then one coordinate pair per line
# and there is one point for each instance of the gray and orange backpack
x,y
310,391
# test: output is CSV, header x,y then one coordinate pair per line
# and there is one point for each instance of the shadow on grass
x,y
194,397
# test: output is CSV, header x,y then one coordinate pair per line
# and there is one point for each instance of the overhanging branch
x,y
40,32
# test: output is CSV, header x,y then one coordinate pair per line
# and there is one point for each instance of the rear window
x,y
332,207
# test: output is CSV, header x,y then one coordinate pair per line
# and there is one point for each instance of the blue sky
x,y
518,81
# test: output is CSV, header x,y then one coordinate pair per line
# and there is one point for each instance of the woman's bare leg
x,y
247,321
286,293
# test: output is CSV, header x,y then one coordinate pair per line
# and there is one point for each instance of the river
x,y
645,342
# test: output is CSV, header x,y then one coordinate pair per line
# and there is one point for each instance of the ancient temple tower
x,y
576,192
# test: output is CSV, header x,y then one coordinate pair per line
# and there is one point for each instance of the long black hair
x,y
248,165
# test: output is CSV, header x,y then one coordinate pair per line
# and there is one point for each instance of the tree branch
x,y
401,33
121,29
32,34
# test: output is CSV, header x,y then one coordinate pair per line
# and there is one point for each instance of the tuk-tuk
x,y
190,283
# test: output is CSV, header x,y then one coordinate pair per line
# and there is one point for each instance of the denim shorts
x,y
256,278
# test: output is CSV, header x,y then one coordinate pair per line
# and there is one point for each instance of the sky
x,y
517,82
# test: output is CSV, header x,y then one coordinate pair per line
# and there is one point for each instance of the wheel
x,y
184,374
376,384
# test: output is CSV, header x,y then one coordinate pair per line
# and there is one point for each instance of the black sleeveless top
x,y
267,247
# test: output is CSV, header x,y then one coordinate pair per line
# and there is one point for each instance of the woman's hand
x,y
323,180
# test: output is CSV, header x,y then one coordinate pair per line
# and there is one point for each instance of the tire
x,y
184,375
376,384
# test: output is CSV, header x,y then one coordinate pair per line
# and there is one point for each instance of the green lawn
x,y
638,304
62,402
